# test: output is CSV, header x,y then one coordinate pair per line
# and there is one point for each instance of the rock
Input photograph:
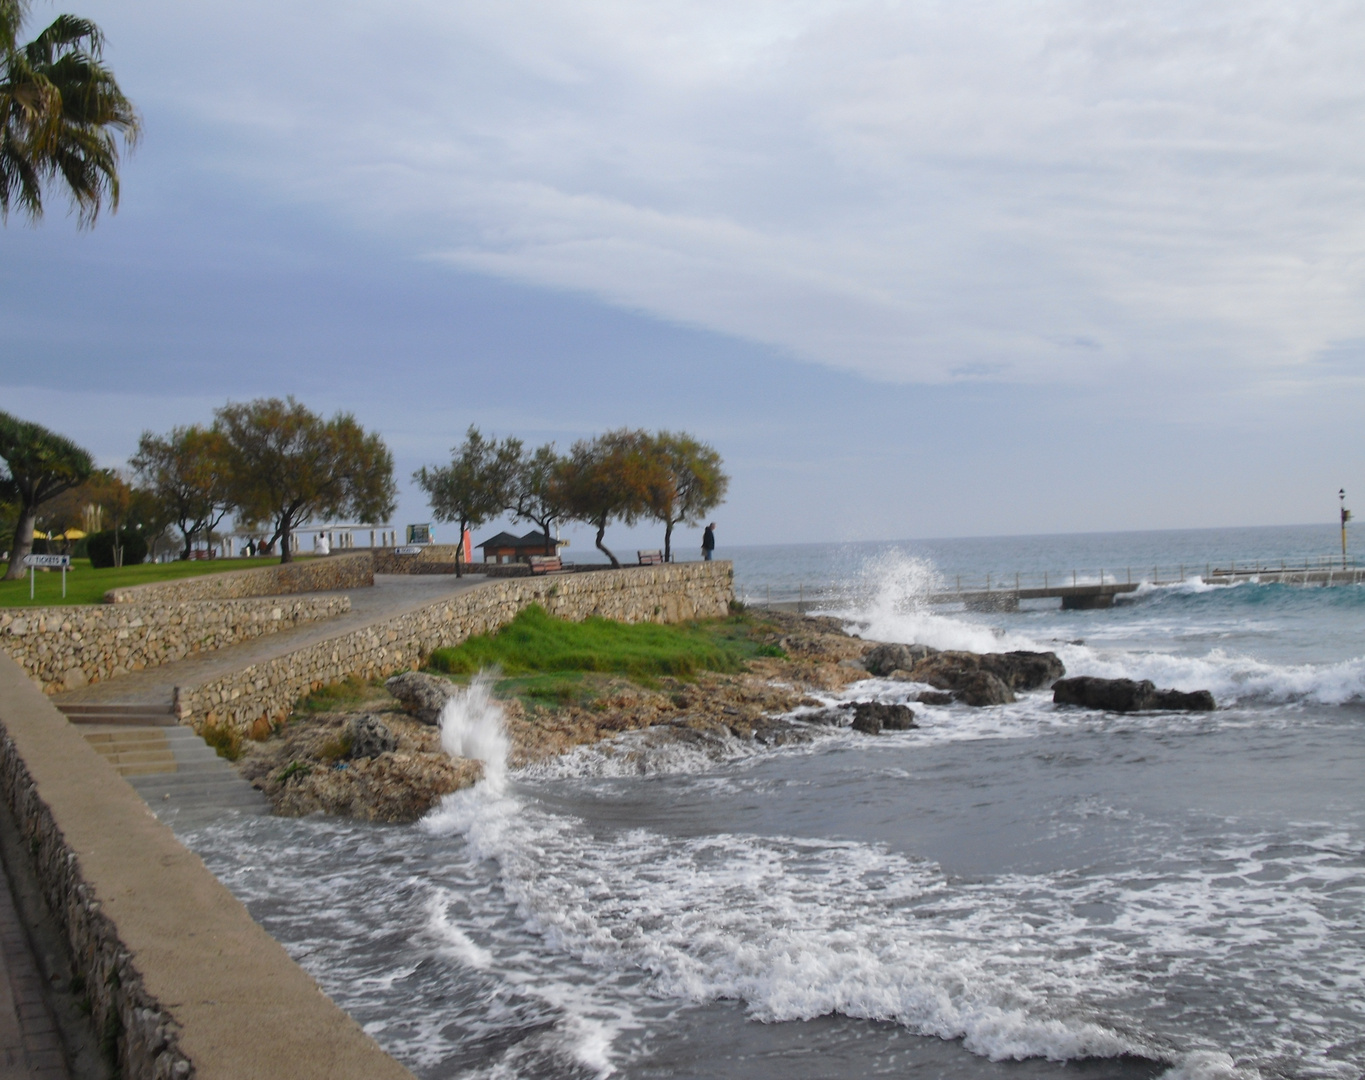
x,y
981,688
884,659
1127,695
1020,670
834,717
423,696
369,737
1194,701
934,697
963,674
874,717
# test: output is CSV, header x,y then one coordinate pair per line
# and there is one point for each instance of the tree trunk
x,y
459,552
601,531
286,547
668,542
189,543
23,543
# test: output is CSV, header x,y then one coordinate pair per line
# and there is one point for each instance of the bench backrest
x,y
650,558
544,564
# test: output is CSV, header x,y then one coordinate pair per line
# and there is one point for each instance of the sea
x,y
1024,891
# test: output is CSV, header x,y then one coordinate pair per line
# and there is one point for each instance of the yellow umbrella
x,y
73,534
38,534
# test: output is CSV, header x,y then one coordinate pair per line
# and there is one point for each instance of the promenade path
x,y
391,594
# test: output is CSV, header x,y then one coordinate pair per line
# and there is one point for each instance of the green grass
x,y
336,696
543,651
85,585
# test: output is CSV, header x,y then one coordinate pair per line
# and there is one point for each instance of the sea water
x,y
1019,891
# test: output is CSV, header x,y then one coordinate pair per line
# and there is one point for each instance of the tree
x,y
536,494
61,113
286,465
41,465
609,478
690,483
474,487
183,472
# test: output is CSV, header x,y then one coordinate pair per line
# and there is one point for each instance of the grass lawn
x,y
85,585
555,662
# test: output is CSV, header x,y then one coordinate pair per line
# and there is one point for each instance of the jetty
x,y
1086,590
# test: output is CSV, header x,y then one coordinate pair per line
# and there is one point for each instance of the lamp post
x,y
1345,517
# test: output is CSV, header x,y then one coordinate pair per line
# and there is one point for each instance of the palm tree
x,y
60,114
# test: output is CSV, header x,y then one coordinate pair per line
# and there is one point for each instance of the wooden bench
x,y
650,558
545,564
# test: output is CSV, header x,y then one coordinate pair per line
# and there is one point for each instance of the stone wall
x,y
328,574
67,647
181,983
269,690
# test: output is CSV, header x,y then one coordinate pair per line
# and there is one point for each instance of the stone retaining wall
x,y
328,574
67,647
268,691
180,981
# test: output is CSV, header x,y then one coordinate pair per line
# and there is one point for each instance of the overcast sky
x,y
915,269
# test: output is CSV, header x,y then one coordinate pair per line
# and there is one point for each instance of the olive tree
x,y
184,473
286,465
608,479
41,465
536,493
688,482
474,487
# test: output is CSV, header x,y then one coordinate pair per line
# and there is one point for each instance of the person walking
x,y
708,541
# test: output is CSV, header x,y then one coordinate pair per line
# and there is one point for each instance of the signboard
x,y
407,551
419,534
54,561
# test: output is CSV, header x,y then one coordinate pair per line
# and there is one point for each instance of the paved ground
x,y
392,594
29,1043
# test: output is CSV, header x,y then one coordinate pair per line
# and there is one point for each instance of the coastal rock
x,y
883,660
423,696
934,697
963,674
368,737
1127,695
874,717
1021,670
834,717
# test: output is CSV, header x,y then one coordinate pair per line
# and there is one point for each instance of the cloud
x,y
990,190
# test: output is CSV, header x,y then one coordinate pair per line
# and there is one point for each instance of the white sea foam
x,y
472,726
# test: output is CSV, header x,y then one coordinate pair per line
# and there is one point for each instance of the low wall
x,y
67,647
328,574
181,982
269,690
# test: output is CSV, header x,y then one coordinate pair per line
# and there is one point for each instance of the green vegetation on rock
x,y
535,645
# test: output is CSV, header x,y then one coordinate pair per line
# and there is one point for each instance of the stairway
x,y
182,778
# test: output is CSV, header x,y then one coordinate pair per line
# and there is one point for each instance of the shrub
x,y
100,547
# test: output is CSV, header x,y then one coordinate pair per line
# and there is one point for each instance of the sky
x,y
986,267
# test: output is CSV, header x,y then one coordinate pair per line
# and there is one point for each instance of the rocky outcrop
x,y
367,737
982,679
885,660
422,696
874,717
1127,695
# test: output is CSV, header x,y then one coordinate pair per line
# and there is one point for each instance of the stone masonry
x,y
329,574
267,691
67,647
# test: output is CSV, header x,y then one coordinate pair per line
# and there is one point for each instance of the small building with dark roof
x,y
506,548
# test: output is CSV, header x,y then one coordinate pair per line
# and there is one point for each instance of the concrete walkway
x,y
392,594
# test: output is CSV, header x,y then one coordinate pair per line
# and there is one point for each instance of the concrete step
x,y
153,714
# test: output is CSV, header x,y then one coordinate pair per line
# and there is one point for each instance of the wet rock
x,y
934,697
874,717
981,688
833,717
963,674
1126,695
422,696
883,660
1021,670
1194,701
368,737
